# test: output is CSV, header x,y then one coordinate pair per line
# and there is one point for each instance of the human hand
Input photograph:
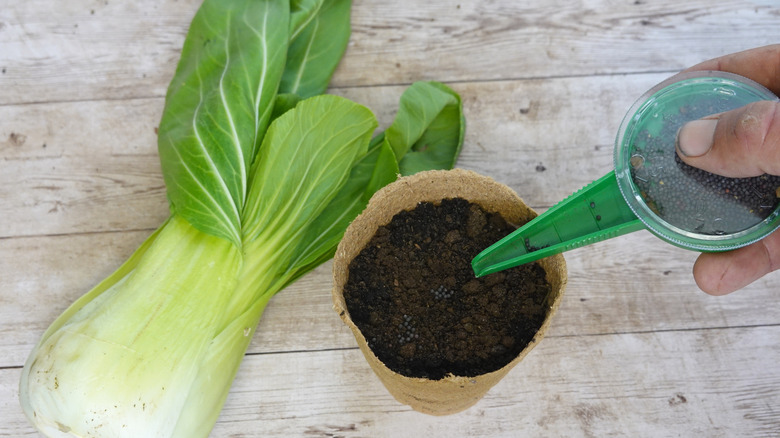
x,y
743,142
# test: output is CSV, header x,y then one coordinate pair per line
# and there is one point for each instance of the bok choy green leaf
x,y
302,12
316,46
292,186
218,106
428,131
380,165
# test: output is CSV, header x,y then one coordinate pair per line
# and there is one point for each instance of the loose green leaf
x,y
427,132
302,12
284,102
384,171
306,157
374,170
316,49
429,113
217,108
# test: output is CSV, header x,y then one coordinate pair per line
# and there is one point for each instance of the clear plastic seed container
x,y
682,204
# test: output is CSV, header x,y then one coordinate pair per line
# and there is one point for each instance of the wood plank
x,y
613,288
714,383
92,166
77,167
462,41
87,50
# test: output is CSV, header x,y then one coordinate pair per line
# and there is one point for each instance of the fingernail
x,y
695,137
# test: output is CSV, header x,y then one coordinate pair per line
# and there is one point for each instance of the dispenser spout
x,y
596,212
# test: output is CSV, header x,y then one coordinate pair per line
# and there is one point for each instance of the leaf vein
x,y
229,116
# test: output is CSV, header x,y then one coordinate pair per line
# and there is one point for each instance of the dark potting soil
x,y
413,294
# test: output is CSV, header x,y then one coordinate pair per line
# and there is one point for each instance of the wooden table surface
x,y
636,350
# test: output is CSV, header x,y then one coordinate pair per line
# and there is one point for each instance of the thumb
x,y
740,143
720,273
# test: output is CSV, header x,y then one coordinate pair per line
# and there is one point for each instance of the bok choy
x,y
263,173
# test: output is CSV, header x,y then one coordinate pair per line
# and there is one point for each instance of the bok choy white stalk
x,y
263,176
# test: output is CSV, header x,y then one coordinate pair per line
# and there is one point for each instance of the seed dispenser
x,y
651,188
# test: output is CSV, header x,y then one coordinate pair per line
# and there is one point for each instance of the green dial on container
x,y
651,188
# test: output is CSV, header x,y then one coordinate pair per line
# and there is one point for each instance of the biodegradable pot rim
x,y
452,393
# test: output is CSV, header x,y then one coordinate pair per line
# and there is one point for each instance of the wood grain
x,y
635,349
90,50
655,293
92,166
80,167
717,383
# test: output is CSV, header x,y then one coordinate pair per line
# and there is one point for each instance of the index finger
x,y
761,64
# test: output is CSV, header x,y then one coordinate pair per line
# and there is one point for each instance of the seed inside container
x,y
637,161
690,198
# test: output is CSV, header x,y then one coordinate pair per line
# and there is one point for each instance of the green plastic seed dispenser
x,y
651,188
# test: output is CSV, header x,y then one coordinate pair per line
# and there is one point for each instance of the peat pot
x,y
407,308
